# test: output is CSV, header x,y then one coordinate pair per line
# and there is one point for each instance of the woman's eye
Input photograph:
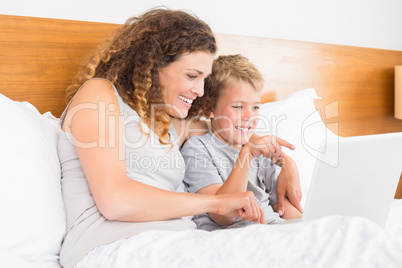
x,y
192,76
256,107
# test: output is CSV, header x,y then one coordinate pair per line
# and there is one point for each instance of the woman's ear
x,y
211,115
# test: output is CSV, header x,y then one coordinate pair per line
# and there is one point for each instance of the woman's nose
x,y
198,89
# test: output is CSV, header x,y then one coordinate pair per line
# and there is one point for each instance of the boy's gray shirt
x,y
210,161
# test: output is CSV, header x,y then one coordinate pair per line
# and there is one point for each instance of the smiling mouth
x,y
186,100
243,129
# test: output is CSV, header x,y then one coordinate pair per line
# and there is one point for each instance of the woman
x,y
119,153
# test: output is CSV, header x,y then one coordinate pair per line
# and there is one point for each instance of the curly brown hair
x,y
133,57
226,70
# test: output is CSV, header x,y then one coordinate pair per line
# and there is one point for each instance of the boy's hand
x,y
289,186
294,196
268,146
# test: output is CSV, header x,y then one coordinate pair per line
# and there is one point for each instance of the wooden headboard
x,y
38,59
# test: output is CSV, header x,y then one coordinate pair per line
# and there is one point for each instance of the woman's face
x,y
183,81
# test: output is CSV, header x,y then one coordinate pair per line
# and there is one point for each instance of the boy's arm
x,y
235,183
288,186
290,213
202,177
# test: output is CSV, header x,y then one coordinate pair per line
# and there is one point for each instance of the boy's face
x,y
235,116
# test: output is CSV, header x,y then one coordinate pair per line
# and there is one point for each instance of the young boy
x,y
225,160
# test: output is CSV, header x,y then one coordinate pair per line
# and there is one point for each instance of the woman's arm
x,y
94,121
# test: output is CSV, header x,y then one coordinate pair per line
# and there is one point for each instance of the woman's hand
x,y
241,205
288,185
269,146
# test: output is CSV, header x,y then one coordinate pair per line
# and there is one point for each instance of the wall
x,y
365,23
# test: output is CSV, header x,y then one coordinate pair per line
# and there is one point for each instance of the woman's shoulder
x,y
94,96
97,88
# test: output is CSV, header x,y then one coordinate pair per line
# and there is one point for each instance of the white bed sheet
x,y
333,241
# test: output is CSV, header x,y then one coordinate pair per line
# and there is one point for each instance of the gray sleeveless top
x,y
147,161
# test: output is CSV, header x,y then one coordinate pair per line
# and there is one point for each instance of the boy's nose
x,y
246,114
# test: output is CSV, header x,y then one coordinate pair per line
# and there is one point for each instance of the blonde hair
x,y
133,57
226,71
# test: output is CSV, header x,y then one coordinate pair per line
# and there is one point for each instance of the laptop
x,y
355,176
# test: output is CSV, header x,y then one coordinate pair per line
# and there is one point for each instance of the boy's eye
x,y
256,107
237,106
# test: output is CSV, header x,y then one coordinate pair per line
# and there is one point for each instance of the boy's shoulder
x,y
205,142
198,140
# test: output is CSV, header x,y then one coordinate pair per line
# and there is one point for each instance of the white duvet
x,y
333,241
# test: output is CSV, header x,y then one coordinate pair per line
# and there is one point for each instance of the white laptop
x,y
355,176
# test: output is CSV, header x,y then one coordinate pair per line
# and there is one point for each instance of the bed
x,y
344,91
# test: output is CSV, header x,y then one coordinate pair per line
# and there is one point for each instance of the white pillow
x,y
33,217
296,120
7,259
